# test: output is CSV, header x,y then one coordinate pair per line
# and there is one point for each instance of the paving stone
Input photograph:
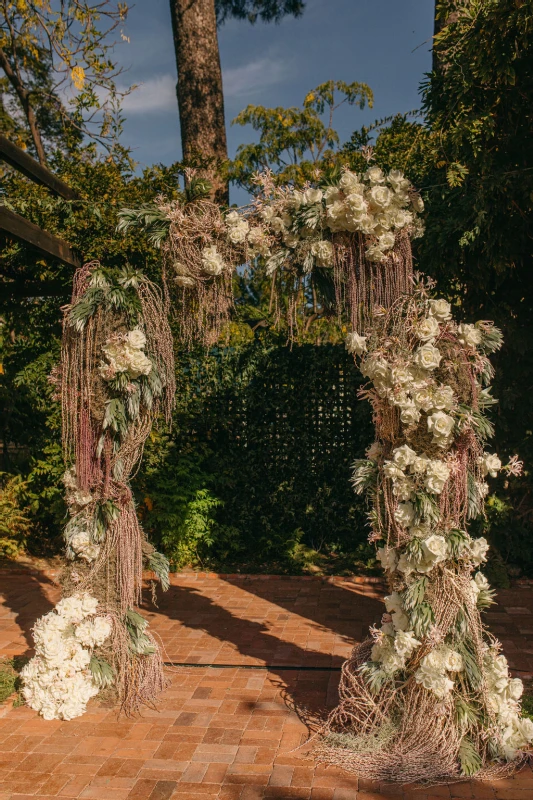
x,y
226,734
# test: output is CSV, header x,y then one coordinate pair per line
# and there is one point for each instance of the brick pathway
x,y
219,733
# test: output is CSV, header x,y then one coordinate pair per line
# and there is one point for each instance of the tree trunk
x,y
199,87
438,25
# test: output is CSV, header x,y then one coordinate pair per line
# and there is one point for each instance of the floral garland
x,y
430,689
116,375
352,232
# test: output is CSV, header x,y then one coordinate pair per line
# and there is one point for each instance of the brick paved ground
x,y
223,733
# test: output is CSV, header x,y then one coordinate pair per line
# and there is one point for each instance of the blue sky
x,y
385,43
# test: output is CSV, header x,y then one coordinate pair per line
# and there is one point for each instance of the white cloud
x,y
159,93
155,94
254,76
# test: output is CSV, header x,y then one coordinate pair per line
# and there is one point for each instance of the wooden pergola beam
x,y
23,162
14,225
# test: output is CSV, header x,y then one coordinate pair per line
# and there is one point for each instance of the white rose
x,y
468,335
323,252
139,363
481,581
312,196
434,681
427,329
375,368
267,213
400,620
434,548
117,355
490,464
277,225
399,218
236,234
420,531
233,218
355,344
392,471
388,558
406,565
423,399
375,175
420,464
93,632
418,203
453,660
386,241
436,476
405,643
331,194
478,550
427,357
440,425
356,204
403,456
515,689
184,280
440,309
443,398
212,261
349,181
136,338
393,602
380,196
410,415
71,608
400,376
404,514
375,254
391,662
397,180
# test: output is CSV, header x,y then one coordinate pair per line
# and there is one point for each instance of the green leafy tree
x,y
48,50
295,142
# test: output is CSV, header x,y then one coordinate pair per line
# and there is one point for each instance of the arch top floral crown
x,y
428,696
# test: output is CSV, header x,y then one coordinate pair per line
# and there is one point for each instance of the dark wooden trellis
x,y
17,227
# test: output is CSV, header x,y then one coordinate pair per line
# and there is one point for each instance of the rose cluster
x,y
294,225
58,681
124,353
504,694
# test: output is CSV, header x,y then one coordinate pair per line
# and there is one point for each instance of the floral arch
x,y
428,695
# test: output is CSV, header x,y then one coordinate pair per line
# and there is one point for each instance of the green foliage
x,y
15,524
159,564
252,10
8,678
136,625
102,672
294,142
415,593
469,758
422,618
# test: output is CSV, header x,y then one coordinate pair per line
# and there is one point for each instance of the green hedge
x,y
257,466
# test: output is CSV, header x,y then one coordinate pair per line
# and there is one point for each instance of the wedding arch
x,y
428,695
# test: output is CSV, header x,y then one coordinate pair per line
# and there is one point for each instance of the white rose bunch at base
x,y
57,682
